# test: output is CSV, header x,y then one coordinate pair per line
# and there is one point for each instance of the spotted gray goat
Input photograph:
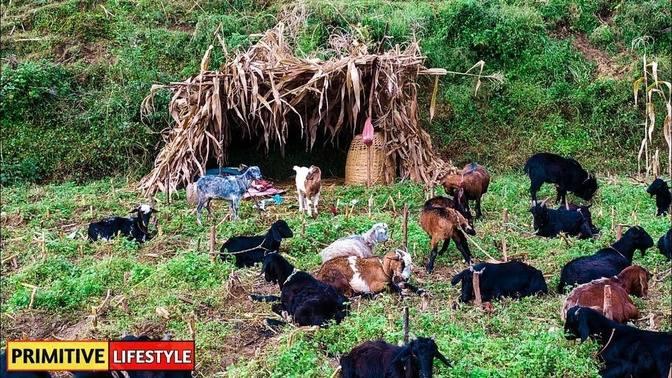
x,y
229,188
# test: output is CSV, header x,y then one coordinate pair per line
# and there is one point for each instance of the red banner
x,y
151,355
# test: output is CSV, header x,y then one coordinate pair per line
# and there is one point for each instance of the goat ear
x,y
442,358
584,328
458,277
275,235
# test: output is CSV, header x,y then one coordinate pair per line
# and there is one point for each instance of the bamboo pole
x,y
475,280
213,242
406,325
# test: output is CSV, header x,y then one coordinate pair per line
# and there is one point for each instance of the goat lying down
x,y
381,359
309,301
551,222
249,250
632,280
513,279
134,228
356,245
627,351
355,275
607,262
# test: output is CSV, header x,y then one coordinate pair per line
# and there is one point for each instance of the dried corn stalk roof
x,y
264,90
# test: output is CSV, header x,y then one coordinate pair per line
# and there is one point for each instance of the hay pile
x,y
266,90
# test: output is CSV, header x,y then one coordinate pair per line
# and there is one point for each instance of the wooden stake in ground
x,y
370,204
213,242
476,281
619,231
505,221
405,227
406,325
608,311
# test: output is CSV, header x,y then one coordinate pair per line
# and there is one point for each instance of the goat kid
x,y
513,279
229,188
134,228
356,245
665,244
308,183
627,351
663,195
458,202
382,359
607,262
309,301
473,179
567,175
632,280
444,224
551,222
249,250
355,275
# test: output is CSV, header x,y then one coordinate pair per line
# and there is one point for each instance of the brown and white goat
x,y
474,179
631,280
308,183
356,275
444,224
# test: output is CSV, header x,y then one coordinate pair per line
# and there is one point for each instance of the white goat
x,y
308,187
356,245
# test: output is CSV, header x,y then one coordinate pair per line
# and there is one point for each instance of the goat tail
x,y
458,277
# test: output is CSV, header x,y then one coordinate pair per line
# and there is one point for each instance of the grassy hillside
x,y
170,281
74,73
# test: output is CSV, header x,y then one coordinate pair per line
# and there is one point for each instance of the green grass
x,y
174,272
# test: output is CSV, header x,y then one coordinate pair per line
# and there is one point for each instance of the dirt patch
x,y
605,65
34,325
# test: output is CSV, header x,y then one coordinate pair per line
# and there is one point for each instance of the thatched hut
x,y
265,91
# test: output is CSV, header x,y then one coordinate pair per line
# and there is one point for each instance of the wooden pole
x,y
405,227
619,231
168,191
213,242
406,325
608,311
505,221
475,280
368,167
370,204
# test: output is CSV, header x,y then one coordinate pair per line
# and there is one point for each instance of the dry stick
x,y
475,280
168,191
608,311
613,218
406,325
370,205
213,241
477,246
619,231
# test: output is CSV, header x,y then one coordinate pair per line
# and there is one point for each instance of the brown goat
x,y
444,224
631,280
474,179
308,184
369,275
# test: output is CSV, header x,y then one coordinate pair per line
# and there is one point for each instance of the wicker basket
x,y
355,165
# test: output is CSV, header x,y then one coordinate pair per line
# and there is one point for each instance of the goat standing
x,y
473,179
567,175
443,224
308,183
663,195
229,188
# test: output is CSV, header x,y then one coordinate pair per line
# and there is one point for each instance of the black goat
x,y
607,262
567,174
663,195
510,279
550,222
309,301
381,359
134,228
19,374
249,250
627,351
665,244
585,211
